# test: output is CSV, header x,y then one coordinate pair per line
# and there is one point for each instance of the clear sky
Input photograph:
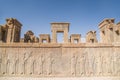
x,y
36,15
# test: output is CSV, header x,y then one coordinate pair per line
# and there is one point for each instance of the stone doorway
x,y
60,37
62,28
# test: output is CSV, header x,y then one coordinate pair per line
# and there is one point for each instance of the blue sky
x,y
36,15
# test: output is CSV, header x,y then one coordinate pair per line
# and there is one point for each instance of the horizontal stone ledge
x,y
56,45
60,78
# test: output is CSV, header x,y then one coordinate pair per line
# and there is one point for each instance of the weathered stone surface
x,y
29,37
62,78
44,37
93,59
59,27
60,60
109,31
10,32
75,38
91,37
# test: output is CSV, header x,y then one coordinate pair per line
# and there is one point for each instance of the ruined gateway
x,y
44,57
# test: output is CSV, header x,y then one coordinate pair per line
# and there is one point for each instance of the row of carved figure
x,y
80,65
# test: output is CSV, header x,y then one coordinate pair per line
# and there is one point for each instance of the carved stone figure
x,y
50,61
30,62
21,64
91,65
104,66
82,65
109,63
116,63
112,63
40,64
8,67
98,65
73,64
86,64
11,62
4,62
16,66
0,61
34,66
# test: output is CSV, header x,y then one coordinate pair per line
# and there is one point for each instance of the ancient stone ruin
x,y
44,56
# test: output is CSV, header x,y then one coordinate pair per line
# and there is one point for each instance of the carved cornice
x,y
54,45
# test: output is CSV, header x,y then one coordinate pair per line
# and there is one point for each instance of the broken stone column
x,y
107,30
13,31
0,33
91,37
117,33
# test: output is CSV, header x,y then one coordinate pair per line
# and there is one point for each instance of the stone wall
x,y
31,57
55,60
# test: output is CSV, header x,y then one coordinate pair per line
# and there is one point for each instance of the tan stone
x,y
29,58
59,27
29,37
44,37
11,30
109,31
91,37
75,38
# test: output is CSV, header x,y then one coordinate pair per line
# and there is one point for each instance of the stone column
x,y
54,36
13,34
73,65
101,37
0,33
66,36
48,40
9,35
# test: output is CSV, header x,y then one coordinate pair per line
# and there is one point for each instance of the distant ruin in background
x,y
43,56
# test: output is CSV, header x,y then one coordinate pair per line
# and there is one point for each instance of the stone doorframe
x,y
62,28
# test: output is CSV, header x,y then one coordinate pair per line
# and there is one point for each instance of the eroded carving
x,y
49,63
40,64
82,64
73,64
91,37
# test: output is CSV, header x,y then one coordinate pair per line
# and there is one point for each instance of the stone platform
x,y
63,78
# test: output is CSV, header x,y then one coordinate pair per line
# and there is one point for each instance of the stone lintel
x,y
45,35
60,25
75,35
